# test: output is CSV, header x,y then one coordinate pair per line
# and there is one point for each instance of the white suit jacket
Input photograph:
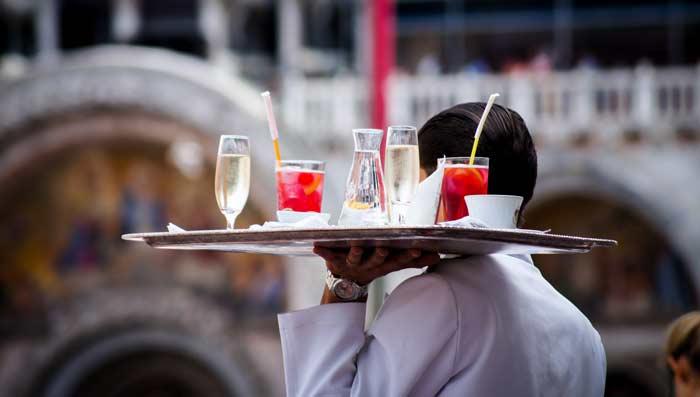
x,y
478,326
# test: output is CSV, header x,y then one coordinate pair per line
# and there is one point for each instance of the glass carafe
x,y
365,201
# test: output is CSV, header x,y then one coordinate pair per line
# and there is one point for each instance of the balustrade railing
x,y
556,106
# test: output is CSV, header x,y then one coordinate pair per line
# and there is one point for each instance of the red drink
x,y
299,189
461,180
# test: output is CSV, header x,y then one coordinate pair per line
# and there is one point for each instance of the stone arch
x,y
653,182
176,87
149,96
646,187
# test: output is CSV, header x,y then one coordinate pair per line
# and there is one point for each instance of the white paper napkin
x,y
173,228
467,221
310,222
474,222
424,207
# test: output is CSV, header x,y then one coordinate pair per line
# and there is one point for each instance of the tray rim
x,y
370,233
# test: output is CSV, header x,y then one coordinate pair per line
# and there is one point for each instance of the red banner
x,y
383,26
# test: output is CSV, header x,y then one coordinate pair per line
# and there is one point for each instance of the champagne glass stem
x,y
231,219
398,213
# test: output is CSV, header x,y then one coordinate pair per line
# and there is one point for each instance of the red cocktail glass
x,y
462,179
300,185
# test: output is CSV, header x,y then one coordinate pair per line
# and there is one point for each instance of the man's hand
x,y
362,267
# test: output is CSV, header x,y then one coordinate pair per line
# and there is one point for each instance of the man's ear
x,y
423,175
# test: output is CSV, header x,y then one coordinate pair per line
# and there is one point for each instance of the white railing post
x,y
644,112
467,88
522,100
400,101
341,97
288,103
583,100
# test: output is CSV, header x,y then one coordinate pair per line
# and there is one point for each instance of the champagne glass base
x,y
230,219
398,213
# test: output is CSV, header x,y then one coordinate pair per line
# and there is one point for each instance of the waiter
x,y
472,326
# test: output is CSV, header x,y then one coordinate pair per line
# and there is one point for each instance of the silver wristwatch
x,y
343,289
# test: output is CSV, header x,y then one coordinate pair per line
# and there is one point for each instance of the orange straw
x,y
272,125
480,126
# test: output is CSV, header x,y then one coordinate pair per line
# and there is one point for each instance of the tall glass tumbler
x,y
462,179
300,185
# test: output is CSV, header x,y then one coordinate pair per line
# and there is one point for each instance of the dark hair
x,y
505,140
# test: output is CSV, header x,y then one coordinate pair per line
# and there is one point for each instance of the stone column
x,y
289,36
46,27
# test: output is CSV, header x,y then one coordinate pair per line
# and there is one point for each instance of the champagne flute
x,y
232,180
402,170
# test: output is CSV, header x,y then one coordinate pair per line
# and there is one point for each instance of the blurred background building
x,y
109,116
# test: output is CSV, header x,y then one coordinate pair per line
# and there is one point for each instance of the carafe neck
x,y
367,139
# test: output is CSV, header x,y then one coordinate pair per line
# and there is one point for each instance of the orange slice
x,y
356,205
311,187
476,175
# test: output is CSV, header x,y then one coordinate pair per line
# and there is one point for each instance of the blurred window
x,y
83,23
259,33
16,33
171,24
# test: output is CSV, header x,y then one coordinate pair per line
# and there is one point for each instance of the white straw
x,y
482,121
271,123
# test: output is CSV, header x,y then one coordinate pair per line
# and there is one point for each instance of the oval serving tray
x,y
442,239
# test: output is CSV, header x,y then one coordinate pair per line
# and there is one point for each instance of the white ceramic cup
x,y
497,210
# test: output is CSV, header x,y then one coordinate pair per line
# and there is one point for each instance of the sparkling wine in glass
x,y
232,181
402,170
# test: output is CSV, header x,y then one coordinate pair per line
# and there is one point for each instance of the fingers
x,y
427,259
330,255
413,258
335,259
354,265
354,257
322,252
342,262
403,258
378,257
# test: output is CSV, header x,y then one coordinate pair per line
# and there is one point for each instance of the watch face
x,y
344,290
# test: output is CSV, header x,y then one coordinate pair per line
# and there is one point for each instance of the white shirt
x,y
478,326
